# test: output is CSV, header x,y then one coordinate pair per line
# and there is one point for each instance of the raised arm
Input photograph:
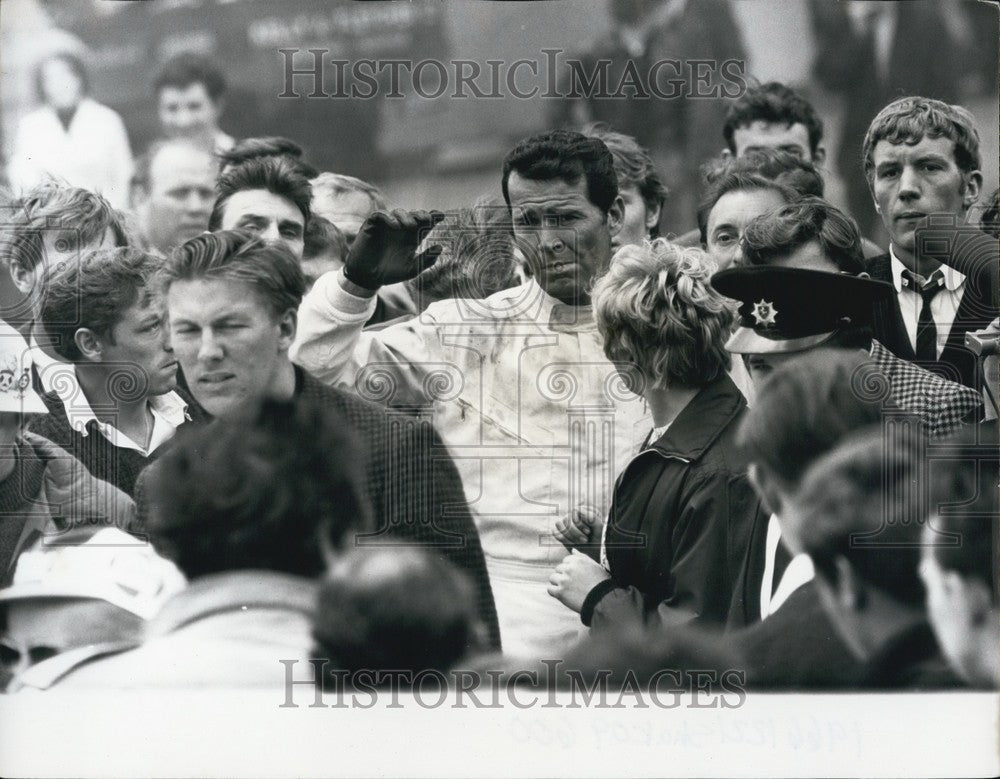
x,y
330,343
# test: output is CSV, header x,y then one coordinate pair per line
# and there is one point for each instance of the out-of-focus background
x,y
446,152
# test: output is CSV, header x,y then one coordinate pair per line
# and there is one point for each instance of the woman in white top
x,y
71,137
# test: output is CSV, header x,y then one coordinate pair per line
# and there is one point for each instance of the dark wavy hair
x,y
95,293
187,68
275,494
267,146
277,175
783,231
772,102
567,156
857,502
806,407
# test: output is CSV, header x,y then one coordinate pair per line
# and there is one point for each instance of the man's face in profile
x,y
565,237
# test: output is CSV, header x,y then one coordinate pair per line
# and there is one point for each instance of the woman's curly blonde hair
x,y
656,310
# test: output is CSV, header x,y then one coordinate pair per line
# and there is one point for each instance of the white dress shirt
x,y
169,412
944,305
798,571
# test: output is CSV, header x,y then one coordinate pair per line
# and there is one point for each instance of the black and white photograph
x,y
476,388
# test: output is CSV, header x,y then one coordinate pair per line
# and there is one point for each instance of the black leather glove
x,y
385,250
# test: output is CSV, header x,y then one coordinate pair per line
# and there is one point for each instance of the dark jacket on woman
x,y
680,520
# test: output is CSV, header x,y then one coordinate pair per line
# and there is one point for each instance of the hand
x,y
385,250
581,526
574,578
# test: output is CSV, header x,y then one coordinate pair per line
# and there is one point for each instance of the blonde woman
x,y
682,507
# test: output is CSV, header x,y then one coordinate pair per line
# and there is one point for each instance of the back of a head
x,y
772,102
565,156
773,236
274,493
909,119
805,408
187,68
240,256
395,608
276,175
76,216
964,499
859,503
267,146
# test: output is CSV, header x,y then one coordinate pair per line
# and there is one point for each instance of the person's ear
x,y
616,215
90,344
23,278
967,596
819,156
850,590
653,216
871,191
287,327
973,188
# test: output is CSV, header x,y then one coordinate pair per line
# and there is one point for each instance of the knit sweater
x,y
116,465
413,486
412,483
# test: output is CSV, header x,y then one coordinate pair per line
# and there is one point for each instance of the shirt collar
x,y
231,591
170,407
952,278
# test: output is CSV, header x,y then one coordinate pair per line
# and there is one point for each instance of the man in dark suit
x,y
921,159
232,302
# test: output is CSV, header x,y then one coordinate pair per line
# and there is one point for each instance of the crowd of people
x,y
255,420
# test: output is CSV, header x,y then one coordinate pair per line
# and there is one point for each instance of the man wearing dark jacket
x,y
116,402
232,302
921,159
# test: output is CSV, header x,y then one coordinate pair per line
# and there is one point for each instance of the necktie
x,y
926,329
